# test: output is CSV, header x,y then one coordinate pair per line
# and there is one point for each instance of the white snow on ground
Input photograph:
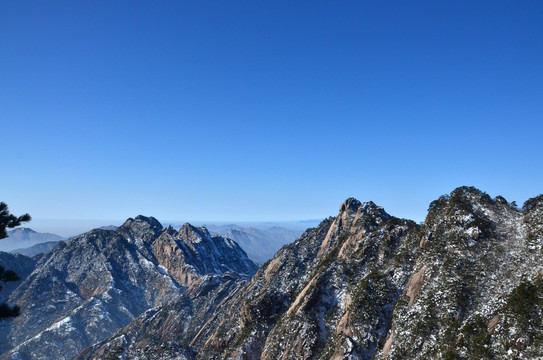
x,y
146,263
162,270
64,326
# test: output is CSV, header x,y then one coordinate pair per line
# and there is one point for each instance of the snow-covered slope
x,y
84,290
478,292
366,285
294,300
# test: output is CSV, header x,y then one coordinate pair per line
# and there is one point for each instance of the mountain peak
x,y
353,206
22,230
353,209
192,233
533,203
150,221
470,193
170,230
23,237
142,226
350,204
371,207
104,279
365,284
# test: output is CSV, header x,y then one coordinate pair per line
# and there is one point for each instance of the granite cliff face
x,y
193,252
84,290
466,284
310,301
479,293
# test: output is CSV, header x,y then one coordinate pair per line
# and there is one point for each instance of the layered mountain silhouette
x,y
33,250
259,244
21,238
465,284
100,281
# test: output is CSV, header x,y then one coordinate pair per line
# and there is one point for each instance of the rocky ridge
x,y
466,284
37,249
296,297
480,294
84,290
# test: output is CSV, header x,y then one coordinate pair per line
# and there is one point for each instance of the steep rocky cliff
x,y
480,294
312,300
466,284
84,290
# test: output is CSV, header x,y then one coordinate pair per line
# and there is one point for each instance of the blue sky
x,y
266,110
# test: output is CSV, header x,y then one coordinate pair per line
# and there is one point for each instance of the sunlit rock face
x,y
465,284
311,300
85,290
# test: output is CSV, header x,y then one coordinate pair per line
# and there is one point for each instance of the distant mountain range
x,y
363,285
21,238
98,282
30,243
260,244
33,250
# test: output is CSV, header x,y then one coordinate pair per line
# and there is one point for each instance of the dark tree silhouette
x,y
10,221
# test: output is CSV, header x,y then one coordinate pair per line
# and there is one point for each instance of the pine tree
x,y
10,221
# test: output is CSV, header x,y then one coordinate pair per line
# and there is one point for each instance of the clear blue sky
x,y
266,110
